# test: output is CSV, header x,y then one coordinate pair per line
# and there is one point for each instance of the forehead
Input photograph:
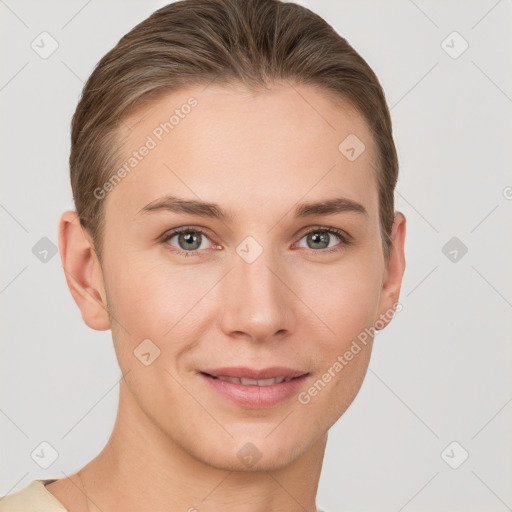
x,y
222,143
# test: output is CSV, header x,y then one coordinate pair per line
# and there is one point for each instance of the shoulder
x,y
32,498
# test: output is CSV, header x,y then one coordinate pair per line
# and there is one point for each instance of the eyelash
x,y
345,239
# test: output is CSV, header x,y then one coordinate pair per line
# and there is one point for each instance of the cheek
x,y
348,303
348,306
159,302
172,304
345,298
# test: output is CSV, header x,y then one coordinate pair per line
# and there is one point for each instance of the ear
x,y
83,271
393,274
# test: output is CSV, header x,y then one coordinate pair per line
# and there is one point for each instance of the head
x,y
256,117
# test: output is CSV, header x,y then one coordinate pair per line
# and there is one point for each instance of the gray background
x,y
439,373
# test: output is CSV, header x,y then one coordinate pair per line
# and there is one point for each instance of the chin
x,y
250,452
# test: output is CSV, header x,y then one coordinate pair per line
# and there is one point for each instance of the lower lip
x,y
256,397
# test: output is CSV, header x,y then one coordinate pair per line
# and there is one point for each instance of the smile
x,y
254,393
253,382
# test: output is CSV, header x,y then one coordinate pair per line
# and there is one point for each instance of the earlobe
x,y
393,273
83,272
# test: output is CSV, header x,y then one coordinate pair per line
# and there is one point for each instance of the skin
x,y
256,155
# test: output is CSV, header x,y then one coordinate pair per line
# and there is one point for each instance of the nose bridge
x,y
258,303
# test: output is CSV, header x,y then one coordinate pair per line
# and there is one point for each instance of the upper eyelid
x,y
177,231
331,229
302,232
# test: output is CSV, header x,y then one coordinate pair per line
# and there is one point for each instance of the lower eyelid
x,y
166,239
344,241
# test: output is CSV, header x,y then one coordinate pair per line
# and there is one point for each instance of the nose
x,y
257,304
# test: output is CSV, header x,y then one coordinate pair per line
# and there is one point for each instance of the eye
x,y
189,241
319,239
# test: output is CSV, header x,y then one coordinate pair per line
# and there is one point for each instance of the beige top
x,y
33,498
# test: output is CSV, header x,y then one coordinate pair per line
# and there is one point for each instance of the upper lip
x,y
252,373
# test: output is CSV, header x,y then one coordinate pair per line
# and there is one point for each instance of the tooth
x,y
250,382
254,382
267,382
234,380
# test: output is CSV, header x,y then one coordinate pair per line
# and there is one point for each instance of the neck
x,y
141,468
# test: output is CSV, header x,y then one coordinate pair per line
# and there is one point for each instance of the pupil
x,y
321,238
190,239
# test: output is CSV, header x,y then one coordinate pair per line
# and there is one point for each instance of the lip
x,y
251,373
252,396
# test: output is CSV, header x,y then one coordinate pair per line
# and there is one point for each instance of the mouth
x,y
252,382
254,389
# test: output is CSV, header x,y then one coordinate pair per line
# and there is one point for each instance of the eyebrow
x,y
204,209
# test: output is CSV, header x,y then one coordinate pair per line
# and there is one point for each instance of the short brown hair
x,y
193,42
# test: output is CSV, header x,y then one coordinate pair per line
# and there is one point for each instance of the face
x,y
270,283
